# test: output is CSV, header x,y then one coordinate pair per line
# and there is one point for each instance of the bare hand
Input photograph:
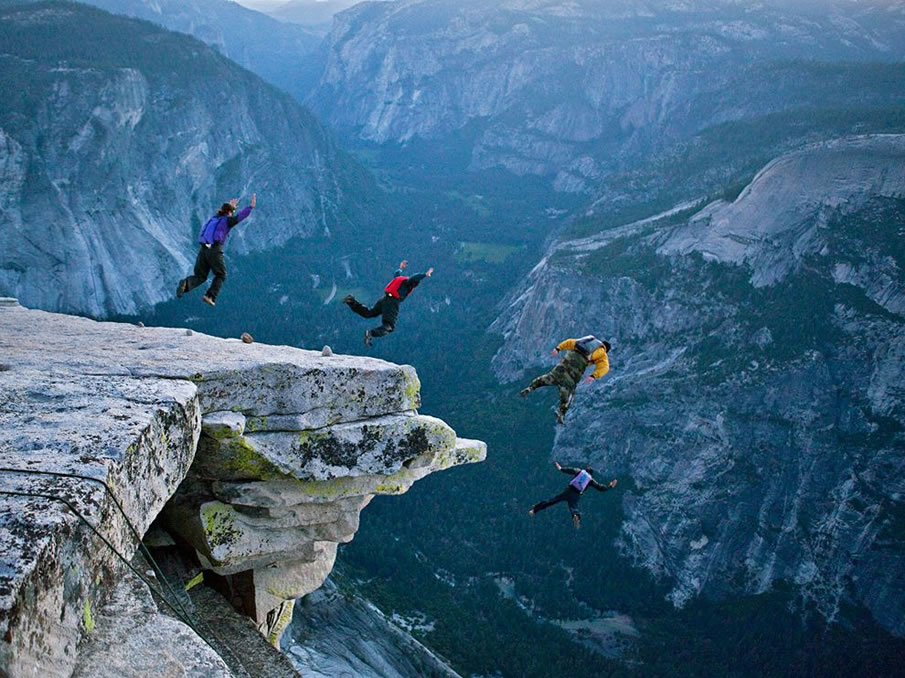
x,y
430,272
555,352
613,482
403,264
558,467
234,202
254,199
588,380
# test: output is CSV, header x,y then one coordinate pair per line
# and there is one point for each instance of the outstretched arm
x,y
603,488
568,344
414,280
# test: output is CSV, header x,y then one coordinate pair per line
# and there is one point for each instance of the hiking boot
x,y
181,289
525,391
367,337
576,520
207,300
348,299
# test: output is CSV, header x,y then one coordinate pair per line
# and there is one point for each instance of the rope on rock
x,y
182,614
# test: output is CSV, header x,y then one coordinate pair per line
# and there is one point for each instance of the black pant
x,y
570,495
388,307
209,259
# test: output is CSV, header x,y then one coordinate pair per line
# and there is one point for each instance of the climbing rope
x,y
182,614
132,529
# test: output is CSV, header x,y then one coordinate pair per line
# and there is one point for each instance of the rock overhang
x,y
134,407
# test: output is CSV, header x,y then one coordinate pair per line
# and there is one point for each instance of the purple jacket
x,y
217,228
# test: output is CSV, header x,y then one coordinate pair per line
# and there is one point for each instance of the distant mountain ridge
x,y
575,90
125,140
313,13
275,50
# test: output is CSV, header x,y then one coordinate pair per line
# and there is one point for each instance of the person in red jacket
x,y
388,306
582,479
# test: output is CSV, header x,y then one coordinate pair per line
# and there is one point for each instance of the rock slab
x,y
285,446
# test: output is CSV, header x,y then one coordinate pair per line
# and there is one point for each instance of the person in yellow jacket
x,y
580,353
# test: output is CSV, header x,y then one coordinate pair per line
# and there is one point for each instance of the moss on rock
x,y
218,521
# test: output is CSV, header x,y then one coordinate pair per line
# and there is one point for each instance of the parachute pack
x,y
581,481
587,345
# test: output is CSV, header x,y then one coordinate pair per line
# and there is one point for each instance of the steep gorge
x,y
755,398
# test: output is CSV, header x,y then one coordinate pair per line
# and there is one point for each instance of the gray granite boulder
x,y
286,447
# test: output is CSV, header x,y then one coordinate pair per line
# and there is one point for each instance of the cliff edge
x,y
257,457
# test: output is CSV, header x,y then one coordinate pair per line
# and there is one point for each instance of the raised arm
x,y
243,213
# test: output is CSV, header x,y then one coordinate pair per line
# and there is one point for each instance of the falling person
x,y
210,253
387,306
567,374
582,478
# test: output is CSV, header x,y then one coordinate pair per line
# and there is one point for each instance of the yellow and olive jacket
x,y
599,358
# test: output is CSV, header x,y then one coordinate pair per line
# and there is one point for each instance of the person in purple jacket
x,y
210,253
582,478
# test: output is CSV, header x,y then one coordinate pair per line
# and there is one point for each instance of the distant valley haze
x,y
264,5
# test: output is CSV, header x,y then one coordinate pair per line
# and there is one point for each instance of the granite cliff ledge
x,y
258,457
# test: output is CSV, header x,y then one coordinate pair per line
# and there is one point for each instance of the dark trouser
x,y
209,259
557,377
570,495
388,307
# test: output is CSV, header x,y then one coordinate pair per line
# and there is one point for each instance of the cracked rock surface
x,y
285,446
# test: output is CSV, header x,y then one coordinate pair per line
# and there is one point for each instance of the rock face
x,y
111,159
337,634
573,90
285,447
152,644
137,436
776,221
755,395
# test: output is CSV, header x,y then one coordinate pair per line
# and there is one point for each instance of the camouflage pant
x,y
560,378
